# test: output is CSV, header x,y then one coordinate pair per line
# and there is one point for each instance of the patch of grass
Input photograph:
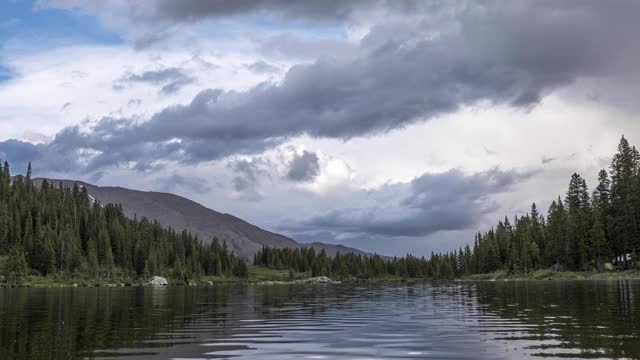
x,y
496,275
57,280
554,275
261,273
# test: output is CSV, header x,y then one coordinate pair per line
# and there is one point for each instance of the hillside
x,y
181,213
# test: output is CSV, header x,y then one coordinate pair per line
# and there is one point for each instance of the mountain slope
x,y
180,213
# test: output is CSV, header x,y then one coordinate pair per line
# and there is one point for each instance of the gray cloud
x,y
401,73
172,79
292,46
19,153
304,167
248,176
262,67
162,13
134,102
433,202
152,23
195,10
175,86
188,11
191,183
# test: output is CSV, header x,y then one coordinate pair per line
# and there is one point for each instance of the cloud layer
x,y
404,72
172,79
304,167
430,203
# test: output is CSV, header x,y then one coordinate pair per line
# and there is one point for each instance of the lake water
x,y
484,320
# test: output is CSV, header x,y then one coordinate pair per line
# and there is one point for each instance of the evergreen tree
x,y
16,266
60,229
623,226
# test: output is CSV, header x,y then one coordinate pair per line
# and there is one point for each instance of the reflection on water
x,y
488,320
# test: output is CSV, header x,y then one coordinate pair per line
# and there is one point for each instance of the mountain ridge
x,y
181,213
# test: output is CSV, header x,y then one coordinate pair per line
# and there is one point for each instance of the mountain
x,y
180,213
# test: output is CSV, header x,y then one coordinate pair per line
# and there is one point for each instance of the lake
x,y
481,320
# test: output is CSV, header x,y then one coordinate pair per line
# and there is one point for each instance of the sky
x,y
394,127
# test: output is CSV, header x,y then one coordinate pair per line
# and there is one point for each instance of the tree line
x,y
582,231
351,265
50,229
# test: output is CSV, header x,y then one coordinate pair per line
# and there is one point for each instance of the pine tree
x,y
600,246
602,210
43,255
16,268
578,207
623,218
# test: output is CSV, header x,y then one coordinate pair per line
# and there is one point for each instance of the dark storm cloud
x,y
196,10
172,79
510,53
435,202
304,167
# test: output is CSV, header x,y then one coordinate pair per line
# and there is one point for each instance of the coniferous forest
x,y
52,229
346,265
59,230
581,231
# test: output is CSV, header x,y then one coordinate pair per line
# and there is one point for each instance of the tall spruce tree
x,y
623,227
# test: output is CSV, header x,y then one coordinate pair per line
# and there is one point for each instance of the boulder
x,y
318,280
158,281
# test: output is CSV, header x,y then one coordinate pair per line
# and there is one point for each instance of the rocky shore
x,y
314,280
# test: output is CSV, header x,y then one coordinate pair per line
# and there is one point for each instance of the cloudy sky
x,y
391,126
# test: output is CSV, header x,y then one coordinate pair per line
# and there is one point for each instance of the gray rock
x,y
158,281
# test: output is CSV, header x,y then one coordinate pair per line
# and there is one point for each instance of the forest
x,y
582,231
51,229
343,266
60,230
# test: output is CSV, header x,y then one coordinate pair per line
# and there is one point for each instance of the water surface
x,y
485,320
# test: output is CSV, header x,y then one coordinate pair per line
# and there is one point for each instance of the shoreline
x,y
549,275
269,277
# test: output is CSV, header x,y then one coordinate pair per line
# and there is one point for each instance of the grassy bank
x,y
256,274
553,275
259,274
